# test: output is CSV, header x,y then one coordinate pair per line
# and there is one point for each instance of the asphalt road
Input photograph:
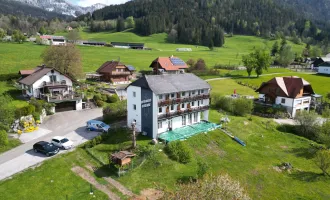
x,y
69,124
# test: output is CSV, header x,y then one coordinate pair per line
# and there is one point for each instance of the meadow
x,y
255,166
14,57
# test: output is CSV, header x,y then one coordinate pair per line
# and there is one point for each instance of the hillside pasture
x,y
14,57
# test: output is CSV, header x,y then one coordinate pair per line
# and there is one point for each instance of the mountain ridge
x,y
62,6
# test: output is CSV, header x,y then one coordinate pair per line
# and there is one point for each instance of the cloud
x,y
85,3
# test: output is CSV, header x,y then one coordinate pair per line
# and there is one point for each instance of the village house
x,y
169,65
53,40
68,28
322,65
52,86
161,103
293,93
115,72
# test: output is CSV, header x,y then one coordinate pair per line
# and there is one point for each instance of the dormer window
x,y
52,78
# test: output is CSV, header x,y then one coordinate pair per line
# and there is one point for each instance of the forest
x,y
203,22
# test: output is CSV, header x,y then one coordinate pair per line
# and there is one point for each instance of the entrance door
x,y
190,118
170,124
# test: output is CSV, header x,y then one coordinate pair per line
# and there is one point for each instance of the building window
x,y
195,117
52,78
134,94
172,107
160,110
283,100
193,92
202,101
184,120
172,95
192,104
160,125
202,91
183,94
134,106
182,105
160,96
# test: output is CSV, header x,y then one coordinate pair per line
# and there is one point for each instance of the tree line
x,y
203,22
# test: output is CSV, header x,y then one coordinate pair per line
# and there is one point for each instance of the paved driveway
x,y
69,124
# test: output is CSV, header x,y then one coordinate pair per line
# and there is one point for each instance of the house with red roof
x,y
293,93
168,65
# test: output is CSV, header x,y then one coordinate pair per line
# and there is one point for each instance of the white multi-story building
x,y
50,85
293,93
160,103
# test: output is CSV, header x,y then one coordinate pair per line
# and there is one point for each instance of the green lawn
x,y
227,87
14,57
252,165
319,82
12,143
53,180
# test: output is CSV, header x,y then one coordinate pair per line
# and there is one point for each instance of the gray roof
x,y
29,80
171,83
130,68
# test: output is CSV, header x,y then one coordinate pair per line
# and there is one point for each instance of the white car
x,y
62,142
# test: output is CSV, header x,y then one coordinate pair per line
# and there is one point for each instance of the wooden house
x,y
115,72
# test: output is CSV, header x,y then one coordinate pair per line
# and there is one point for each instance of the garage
x,y
65,106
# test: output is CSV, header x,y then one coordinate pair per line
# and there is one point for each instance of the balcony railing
x,y
55,83
182,112
182,100
120,73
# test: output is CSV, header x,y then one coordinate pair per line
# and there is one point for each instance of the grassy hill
x,y
14,57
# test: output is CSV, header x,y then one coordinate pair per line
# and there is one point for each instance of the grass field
x,y
319,82
12,143
14,57
254,166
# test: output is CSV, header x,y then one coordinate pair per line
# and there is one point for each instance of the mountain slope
x,y
313,9
61,6
194,21
18,8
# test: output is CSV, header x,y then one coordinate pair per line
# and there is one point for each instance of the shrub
x,y
224,103
38,104
3,138
36,116
322,160
179,151
104,97
242,107
97,97
112,98
25,111
202,168
326,112
48,107
99,103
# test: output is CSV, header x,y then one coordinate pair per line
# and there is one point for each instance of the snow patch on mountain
x,y
62,6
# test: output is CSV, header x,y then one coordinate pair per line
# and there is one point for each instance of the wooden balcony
x,y
183,100
120,73
182,112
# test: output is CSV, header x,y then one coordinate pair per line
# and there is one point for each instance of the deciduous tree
x,y
66,59
249,62
322,160
211,187
286,56
74,36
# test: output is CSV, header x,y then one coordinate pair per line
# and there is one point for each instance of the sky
x,y
91,2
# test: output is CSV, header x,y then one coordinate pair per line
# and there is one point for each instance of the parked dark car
x,y
46,148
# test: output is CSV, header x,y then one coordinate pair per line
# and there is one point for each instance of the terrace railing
x,y
182,100
182,112
120,73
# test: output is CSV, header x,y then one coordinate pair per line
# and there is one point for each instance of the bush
x,y
179,151
242,107
326,112
104,97
3,138
38,104
48,107
36,116
112,98
202,168
25,111
97,97
99,103
223,103
322,160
